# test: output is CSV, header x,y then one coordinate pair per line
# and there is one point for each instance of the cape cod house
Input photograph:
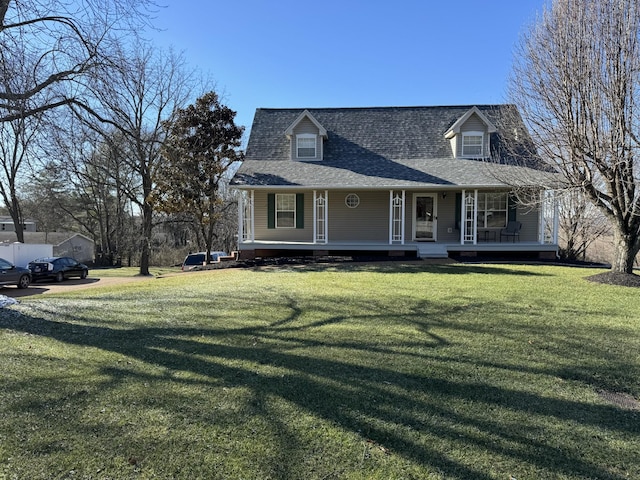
x,y
415,181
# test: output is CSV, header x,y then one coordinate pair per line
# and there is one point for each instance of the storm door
x,y
424,217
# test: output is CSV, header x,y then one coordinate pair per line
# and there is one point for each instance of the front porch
x,y
419,223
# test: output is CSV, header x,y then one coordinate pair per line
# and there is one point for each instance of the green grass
x,y
130,271
358,371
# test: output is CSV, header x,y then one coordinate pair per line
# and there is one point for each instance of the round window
x,y
352,200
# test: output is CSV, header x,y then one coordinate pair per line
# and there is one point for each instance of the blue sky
x,y
349,53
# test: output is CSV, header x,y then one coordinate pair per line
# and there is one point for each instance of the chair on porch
x,y
512,231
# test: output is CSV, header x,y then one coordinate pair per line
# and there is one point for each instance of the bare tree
x,y
580,224
48,51
576,81
17,142
144,91
47,48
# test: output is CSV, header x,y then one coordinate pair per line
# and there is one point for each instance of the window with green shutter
x,y
285,210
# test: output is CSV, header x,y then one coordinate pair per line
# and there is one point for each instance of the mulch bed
x,y
615,278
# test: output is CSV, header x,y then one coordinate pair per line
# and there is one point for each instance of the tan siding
x,y
447,218
530,224
368,222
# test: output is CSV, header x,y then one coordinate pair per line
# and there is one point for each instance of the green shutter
x,y
271,210
458,208
512,206
299,210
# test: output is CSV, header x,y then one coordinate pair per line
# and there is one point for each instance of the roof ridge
x,y
388,107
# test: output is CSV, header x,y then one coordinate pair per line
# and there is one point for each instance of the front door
x,y
424,217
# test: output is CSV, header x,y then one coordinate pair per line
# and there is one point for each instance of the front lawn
x,y
355,371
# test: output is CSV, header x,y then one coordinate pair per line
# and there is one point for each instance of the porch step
x,y
432,250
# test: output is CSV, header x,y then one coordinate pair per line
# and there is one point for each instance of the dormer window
x,y
470,135
472,143
306,137
306,145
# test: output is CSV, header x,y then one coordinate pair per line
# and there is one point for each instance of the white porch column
x,y
246,212
240,216
320,217
397,209
542,220
469,218
556,218
463,216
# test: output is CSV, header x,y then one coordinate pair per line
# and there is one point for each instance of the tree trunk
x,y
625,251
16,216
145,248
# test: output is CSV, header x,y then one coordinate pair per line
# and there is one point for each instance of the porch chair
x,y
512,231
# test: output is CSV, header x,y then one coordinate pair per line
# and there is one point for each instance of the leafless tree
x,y
576,81
17,142
49,49
50,46
580,224
144,89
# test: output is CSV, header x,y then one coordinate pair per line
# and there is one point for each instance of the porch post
x,y
315,216
390,217
402,223
475,217
240,216
556,218
541,216
397,211
469,206
463,217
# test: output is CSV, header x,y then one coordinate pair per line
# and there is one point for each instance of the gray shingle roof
x,y
373,147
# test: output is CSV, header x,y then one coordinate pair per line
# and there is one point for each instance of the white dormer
x,y
470,135
306,135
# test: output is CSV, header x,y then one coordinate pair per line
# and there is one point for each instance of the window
x,y
472,144
352,200
492,210
306,145
286,210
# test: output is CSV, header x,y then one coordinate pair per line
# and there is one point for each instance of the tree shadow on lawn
x,y
418,266
404,412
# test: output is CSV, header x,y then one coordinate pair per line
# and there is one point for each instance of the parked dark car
x,y
12,275
194,260
57,268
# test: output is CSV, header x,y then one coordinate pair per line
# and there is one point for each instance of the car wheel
x,y
59,277
24,281
83,274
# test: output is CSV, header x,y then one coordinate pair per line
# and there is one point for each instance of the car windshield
x,y
194,259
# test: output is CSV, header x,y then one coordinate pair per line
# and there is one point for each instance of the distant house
x,y
6,225
69,244
398,180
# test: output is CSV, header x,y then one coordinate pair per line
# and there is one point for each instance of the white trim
x,y
323,210
393,218
462,145
321,130
276,211
455,128
307,136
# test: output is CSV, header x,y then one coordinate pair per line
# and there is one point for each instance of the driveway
x,y
40,288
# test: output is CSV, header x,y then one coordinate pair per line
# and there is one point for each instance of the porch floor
x,y
421,249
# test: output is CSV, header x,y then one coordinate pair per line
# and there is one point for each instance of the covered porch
x,y
420,224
